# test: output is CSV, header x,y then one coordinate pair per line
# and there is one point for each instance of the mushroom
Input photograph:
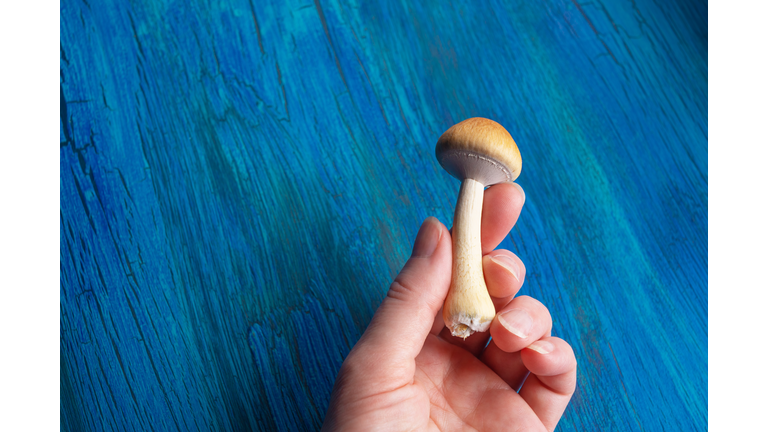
x,y
480,153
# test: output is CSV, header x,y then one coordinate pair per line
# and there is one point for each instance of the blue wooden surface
x,y
241,180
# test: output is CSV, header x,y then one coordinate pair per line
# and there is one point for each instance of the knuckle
x,y
399,290
570,355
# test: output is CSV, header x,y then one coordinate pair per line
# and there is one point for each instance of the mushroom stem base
x,y
464,325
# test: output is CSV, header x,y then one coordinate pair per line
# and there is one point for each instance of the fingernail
x,y
517,321
508,263
541,347
520,188
427,238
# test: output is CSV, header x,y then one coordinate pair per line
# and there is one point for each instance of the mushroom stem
x,y
468,307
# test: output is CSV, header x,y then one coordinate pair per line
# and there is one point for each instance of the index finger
x,y
502,204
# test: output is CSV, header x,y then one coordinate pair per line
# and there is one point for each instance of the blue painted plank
x,y
241,180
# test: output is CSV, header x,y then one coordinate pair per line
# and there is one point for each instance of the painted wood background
x,y
241,180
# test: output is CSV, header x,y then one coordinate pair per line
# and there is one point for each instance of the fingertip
x,y
508,263
519,190
521,322
549,356
445,245
541,347
504,273
433,243
510,192
446,233
427,239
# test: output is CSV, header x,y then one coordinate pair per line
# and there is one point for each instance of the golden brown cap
x,y
479,149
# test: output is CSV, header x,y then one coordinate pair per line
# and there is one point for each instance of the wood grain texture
x,y
241,180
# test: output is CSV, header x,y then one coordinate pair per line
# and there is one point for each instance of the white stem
x,y
468,307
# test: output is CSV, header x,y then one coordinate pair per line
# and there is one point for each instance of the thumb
x,y
401,324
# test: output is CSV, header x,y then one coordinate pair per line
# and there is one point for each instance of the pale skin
x,y
407,373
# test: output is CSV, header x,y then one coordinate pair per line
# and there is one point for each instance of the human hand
x,y
408,373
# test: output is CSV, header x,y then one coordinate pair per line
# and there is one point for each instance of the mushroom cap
x,y
479,149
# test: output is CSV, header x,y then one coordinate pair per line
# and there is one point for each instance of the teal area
x,y
240,182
